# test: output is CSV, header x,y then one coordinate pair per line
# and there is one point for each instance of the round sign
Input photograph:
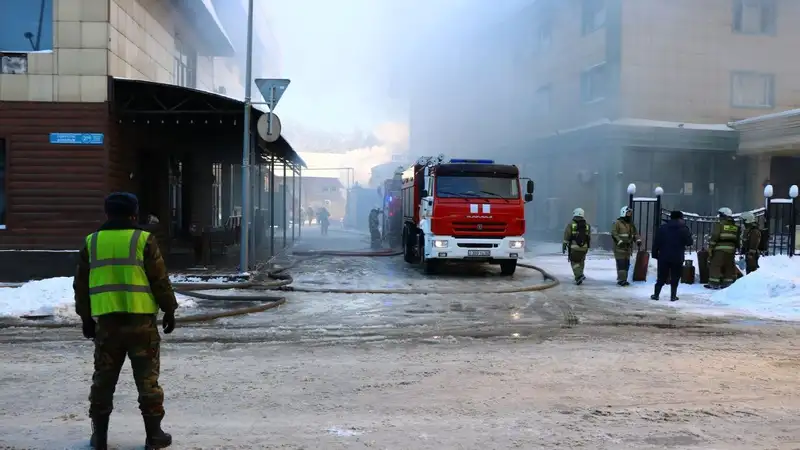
x,y
262,126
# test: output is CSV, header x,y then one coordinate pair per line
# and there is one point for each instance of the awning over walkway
x,y
770,134
147,100
632,132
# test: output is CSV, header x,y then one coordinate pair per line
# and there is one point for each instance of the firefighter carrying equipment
x,y
117,279
576,236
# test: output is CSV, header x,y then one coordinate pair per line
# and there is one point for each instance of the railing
x,y
778,218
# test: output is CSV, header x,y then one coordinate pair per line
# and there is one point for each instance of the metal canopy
x,y
147,99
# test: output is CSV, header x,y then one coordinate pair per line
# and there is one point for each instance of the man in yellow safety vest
x,y
122,281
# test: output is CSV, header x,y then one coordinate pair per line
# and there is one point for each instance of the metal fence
x,y
778,218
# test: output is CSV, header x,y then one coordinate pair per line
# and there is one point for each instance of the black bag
x,y
580,233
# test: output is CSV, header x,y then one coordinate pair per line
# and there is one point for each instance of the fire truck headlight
x,y
516,244
440,244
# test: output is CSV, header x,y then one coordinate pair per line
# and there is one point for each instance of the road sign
x,y
272,90
263,127
77,138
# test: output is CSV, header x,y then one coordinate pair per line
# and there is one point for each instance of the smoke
x,y
387,140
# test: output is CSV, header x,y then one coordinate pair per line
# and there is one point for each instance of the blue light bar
x,y
472,161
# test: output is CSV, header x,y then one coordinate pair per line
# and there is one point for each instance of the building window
x,y
185,65
752,90
594,83
216,195
594,15
2,184
754,16
26,25
541,100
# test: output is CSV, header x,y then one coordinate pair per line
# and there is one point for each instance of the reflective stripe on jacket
x,y
571,232
725,236
117,280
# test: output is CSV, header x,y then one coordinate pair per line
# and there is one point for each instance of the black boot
x,y
156,437
99,439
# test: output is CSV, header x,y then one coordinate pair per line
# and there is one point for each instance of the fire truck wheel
x,y
508,267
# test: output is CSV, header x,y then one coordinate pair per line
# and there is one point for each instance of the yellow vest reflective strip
x,y
117,280
573,244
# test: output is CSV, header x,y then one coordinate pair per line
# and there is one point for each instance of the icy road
x,y
590,367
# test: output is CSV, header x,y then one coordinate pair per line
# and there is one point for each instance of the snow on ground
x,y
772,292
51,296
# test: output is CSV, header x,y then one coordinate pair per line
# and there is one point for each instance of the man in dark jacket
x,y
669,246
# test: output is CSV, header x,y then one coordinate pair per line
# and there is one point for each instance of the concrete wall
x,y
678,58
75,70
560,65
134,39
142,45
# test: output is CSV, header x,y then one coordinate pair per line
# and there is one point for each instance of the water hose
x,y
281,280
550,281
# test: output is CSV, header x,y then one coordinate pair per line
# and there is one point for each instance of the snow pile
x,y
195,279
772,291
51,296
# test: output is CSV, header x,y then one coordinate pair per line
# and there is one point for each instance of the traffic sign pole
x,y
244,265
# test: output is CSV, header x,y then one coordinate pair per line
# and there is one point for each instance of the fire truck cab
x,y
463,209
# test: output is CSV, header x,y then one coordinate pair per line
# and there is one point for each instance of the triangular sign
x,y
272,89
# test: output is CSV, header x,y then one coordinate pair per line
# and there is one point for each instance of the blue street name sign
x,y
77,138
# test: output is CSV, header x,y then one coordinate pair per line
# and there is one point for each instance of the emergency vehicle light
x,y
472,161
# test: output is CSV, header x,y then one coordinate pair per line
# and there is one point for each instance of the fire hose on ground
x,y
280,280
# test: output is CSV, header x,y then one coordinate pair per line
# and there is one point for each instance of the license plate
x,y
478,253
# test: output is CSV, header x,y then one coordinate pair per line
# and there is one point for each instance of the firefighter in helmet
x,y
374,227
577,240
751,241
722,251
624,235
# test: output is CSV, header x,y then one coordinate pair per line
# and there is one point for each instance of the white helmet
x,y
624,211
578,212
725,212
748,217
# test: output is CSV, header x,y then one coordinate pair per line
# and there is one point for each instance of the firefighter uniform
x,y
577,240
624,234
751,242
374,228
722,246
122,281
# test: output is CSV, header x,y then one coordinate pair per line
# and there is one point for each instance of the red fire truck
x,y
463,209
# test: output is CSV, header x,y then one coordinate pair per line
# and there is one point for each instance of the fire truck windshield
x,y
476,187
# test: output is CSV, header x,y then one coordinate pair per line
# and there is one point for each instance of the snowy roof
x,y
631,122
664,124
765,117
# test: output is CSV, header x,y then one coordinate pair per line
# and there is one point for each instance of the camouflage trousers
x,y
135,336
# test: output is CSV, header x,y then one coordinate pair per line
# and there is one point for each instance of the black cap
x,y
122,204
676,215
